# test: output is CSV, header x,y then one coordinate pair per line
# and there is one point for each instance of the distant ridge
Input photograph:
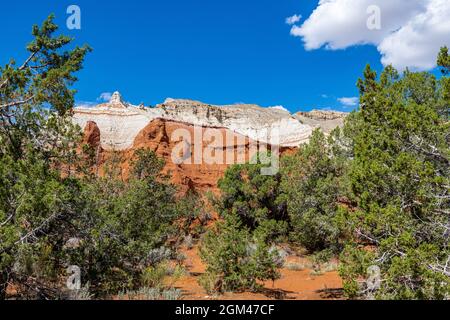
x,y
120,122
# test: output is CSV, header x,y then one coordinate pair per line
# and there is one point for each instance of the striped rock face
x,y
227,132
120,122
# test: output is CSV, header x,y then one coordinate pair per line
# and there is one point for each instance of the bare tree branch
x,y
34,231
22,67
444,269
434,153
16,103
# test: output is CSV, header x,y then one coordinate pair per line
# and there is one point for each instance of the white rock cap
x,y
116,98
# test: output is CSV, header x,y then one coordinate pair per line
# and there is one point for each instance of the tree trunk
x,y
4,278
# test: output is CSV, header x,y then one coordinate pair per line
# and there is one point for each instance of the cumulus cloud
x,y
410,34
349,101
294,19
105,97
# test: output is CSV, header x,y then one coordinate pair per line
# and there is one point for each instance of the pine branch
x,y
21,68
16,103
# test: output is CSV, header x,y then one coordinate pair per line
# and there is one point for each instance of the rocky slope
x,y
192,176
229,134
121,122
327,121
270,125
118,122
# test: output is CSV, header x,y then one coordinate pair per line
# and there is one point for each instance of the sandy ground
x,y
293,285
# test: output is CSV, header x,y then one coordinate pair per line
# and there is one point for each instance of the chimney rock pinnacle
x,y
116,98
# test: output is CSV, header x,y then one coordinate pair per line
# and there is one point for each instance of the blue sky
x,y
219,52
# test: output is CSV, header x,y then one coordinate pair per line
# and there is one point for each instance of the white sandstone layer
x,y
120,122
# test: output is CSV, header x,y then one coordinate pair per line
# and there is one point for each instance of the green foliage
x,y
121,223
399,181
153,276
35,97
235,261
444,64
312,185
381,185
253,197
238,252
146,164
322,257
37,139
35,207
195,217
444,60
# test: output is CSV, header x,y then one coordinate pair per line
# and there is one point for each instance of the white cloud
x,y
411,33
417,43
105,97
294,19
349,101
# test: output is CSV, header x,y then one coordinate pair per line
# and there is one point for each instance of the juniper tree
x,y
235,259
120,223
240,250
253,197
399,179
312,186
35,138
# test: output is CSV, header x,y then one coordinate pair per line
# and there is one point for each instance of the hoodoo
x,y
116,100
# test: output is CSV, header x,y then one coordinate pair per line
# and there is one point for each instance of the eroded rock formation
x,y
197,141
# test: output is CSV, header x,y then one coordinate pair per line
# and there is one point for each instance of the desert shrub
x,y
321,259
153,276
235,261
144,294
83,294
125,227
157,283
312,185
195,216
240,251
158,255
279,256
181,257
253,197
171,294
297,266
162,275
